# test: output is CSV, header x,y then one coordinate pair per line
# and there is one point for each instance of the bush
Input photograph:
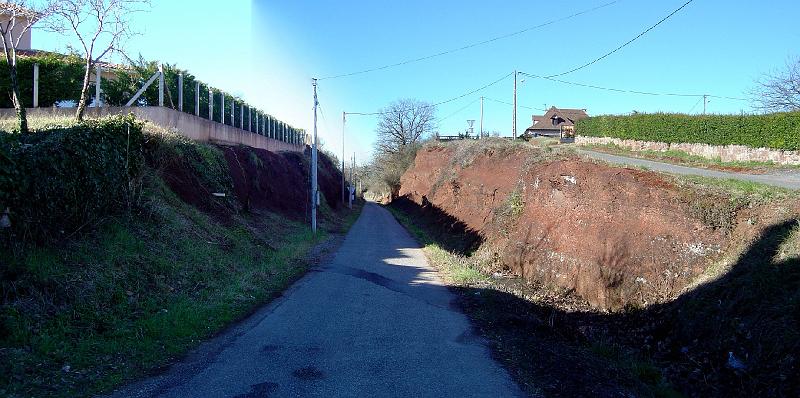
x,y
775,131
66,177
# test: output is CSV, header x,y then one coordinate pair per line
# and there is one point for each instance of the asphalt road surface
x,y
375,322
783,178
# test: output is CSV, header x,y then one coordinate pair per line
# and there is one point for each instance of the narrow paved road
x,y
375,322
785,178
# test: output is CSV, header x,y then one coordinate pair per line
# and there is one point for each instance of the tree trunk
x,y
11,60
84,91
22,117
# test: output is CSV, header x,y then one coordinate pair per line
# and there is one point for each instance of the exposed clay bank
x,y
615,236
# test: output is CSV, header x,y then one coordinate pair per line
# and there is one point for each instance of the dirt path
x,y
784,179
375,321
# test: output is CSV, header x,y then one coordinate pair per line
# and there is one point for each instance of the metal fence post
x,y
222,108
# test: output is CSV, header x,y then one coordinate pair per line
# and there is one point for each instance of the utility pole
x,y
352,188
481,117
514,123
314,193
344,116
705,102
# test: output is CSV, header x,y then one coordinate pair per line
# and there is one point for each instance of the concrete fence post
x,y
35,85
180,92
210,104
160,84
241,116
197,98
97,72
222,108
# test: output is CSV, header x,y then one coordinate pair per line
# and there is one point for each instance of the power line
x,y
695,105
624,44
473,91
510,104
459,110
619,90
445,101
468,46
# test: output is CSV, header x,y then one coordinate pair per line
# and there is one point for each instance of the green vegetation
x,y
775,130
457,268
66,177
61,76
107,274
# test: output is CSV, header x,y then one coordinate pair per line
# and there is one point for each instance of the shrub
x,y
775,131
66,177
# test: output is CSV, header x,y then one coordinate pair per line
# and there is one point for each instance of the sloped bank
x,y
734,330
160,243
616,236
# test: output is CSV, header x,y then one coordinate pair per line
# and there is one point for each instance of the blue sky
x,y
267,52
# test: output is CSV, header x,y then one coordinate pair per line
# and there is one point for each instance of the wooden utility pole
x,y
514,123
314,193
344,121
481,135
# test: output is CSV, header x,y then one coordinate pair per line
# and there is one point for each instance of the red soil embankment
x,y
615,236
258,179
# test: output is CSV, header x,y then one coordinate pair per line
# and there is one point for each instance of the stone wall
x,y
191,126
726,153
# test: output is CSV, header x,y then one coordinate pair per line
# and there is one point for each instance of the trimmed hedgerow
x,y
60,78
775,130
66,177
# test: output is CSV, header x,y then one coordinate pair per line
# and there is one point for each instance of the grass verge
x,y
136,294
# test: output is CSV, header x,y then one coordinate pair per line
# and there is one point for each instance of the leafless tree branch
x,y
101,26
22,15
779,90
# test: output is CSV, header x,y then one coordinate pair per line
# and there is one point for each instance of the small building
x,y
20,14
555,122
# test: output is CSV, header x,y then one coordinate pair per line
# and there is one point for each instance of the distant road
x,y
375,322
783,178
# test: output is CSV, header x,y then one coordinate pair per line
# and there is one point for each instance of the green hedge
x,y
776,130
61,76
65,177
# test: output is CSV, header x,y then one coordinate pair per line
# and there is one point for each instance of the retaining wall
x,y
726,153
191,126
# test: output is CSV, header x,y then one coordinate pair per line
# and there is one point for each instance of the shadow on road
x,y
736,335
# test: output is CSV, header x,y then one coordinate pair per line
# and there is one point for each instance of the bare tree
x,y
101,27
402,123
779,91
22,15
